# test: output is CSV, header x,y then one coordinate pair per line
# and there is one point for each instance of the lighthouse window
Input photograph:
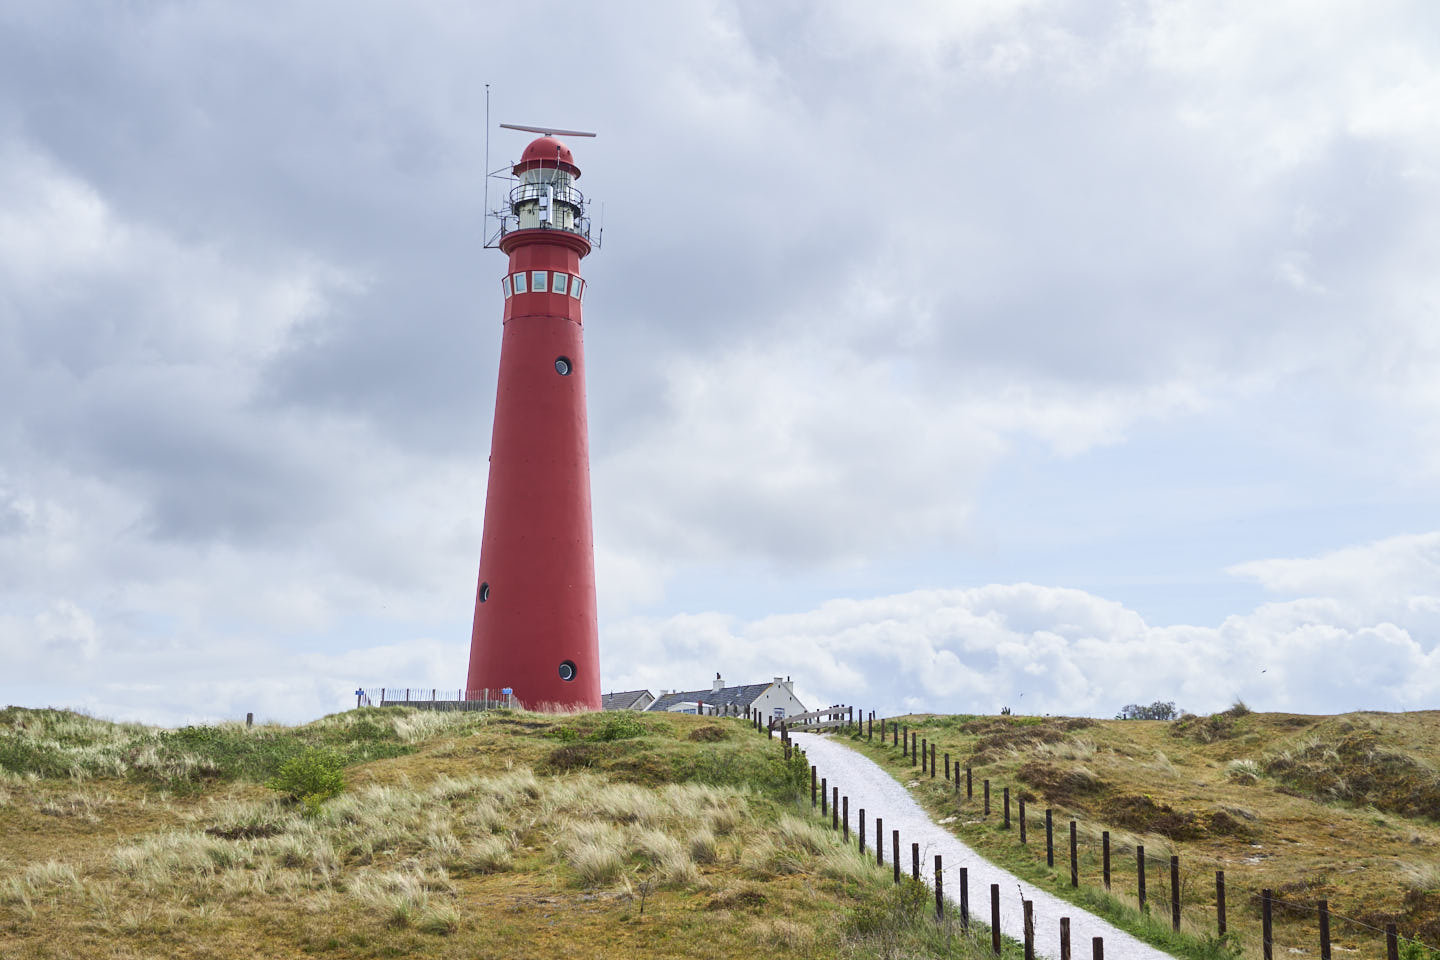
x,y
505,285
575,287
567,670
519,283
537,280
562,281
484,592
562,366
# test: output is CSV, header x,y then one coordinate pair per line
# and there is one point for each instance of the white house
x,y
775,700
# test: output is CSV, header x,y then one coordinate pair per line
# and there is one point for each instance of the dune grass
x,y
1335,808
455,835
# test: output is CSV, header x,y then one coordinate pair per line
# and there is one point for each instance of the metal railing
x,y
435,698
559,193
510,223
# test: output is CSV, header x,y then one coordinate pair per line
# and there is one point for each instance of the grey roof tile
x,y
741,697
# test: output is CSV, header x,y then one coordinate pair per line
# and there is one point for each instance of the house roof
x,y
625,700
741,696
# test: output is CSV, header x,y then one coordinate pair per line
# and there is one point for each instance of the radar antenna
x,y
546,131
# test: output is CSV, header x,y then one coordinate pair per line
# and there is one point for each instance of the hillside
x,y
503,834
1340,808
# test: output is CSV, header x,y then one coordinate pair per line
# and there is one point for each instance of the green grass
x,y
60,744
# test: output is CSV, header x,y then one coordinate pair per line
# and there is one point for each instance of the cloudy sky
x,y
943,355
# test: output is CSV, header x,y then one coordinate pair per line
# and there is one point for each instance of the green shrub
x,y
619,725
310,778
1415,950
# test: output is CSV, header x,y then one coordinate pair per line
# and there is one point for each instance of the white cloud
x,y
859,265
1397,577
1045,649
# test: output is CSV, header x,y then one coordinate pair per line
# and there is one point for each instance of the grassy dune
x,y
503,834
1343,808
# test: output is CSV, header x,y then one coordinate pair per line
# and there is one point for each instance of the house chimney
x,y
717,684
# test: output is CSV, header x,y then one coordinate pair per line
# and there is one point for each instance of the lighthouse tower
x,y
535,629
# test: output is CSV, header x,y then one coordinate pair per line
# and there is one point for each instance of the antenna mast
x,y
485,209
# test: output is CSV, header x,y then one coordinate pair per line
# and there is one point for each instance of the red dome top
x,y
547,152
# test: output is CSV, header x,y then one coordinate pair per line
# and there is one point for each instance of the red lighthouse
x,y
535,628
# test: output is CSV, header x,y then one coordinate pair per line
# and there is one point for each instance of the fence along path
x,y
880,795
1182,877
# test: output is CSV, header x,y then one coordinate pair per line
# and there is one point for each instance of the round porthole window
x,y
562,366
567,670
484,592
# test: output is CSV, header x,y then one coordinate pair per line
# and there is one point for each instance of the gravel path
x,y
871,788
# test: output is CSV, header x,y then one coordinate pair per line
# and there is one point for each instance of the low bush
x,y
311,778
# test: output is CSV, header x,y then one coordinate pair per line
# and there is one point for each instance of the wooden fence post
x,y
1105,856
1392,942
1049,837
1220,902
870,728
1064,938
969,785
835,809
879,841
965,898
947,765
940,894
824,796
249,719
932,761
1175,892
1097,948
1324,930
1029,907
995,918
1006,792
895,853
915,862
905,735
1266,925
1140,870
987,798
812,787
924,755
1074,858
845,818
1023,839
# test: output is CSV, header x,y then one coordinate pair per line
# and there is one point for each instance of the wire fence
x,y
827,800
1178,886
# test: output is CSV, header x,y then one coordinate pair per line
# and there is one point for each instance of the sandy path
x,y
870,788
